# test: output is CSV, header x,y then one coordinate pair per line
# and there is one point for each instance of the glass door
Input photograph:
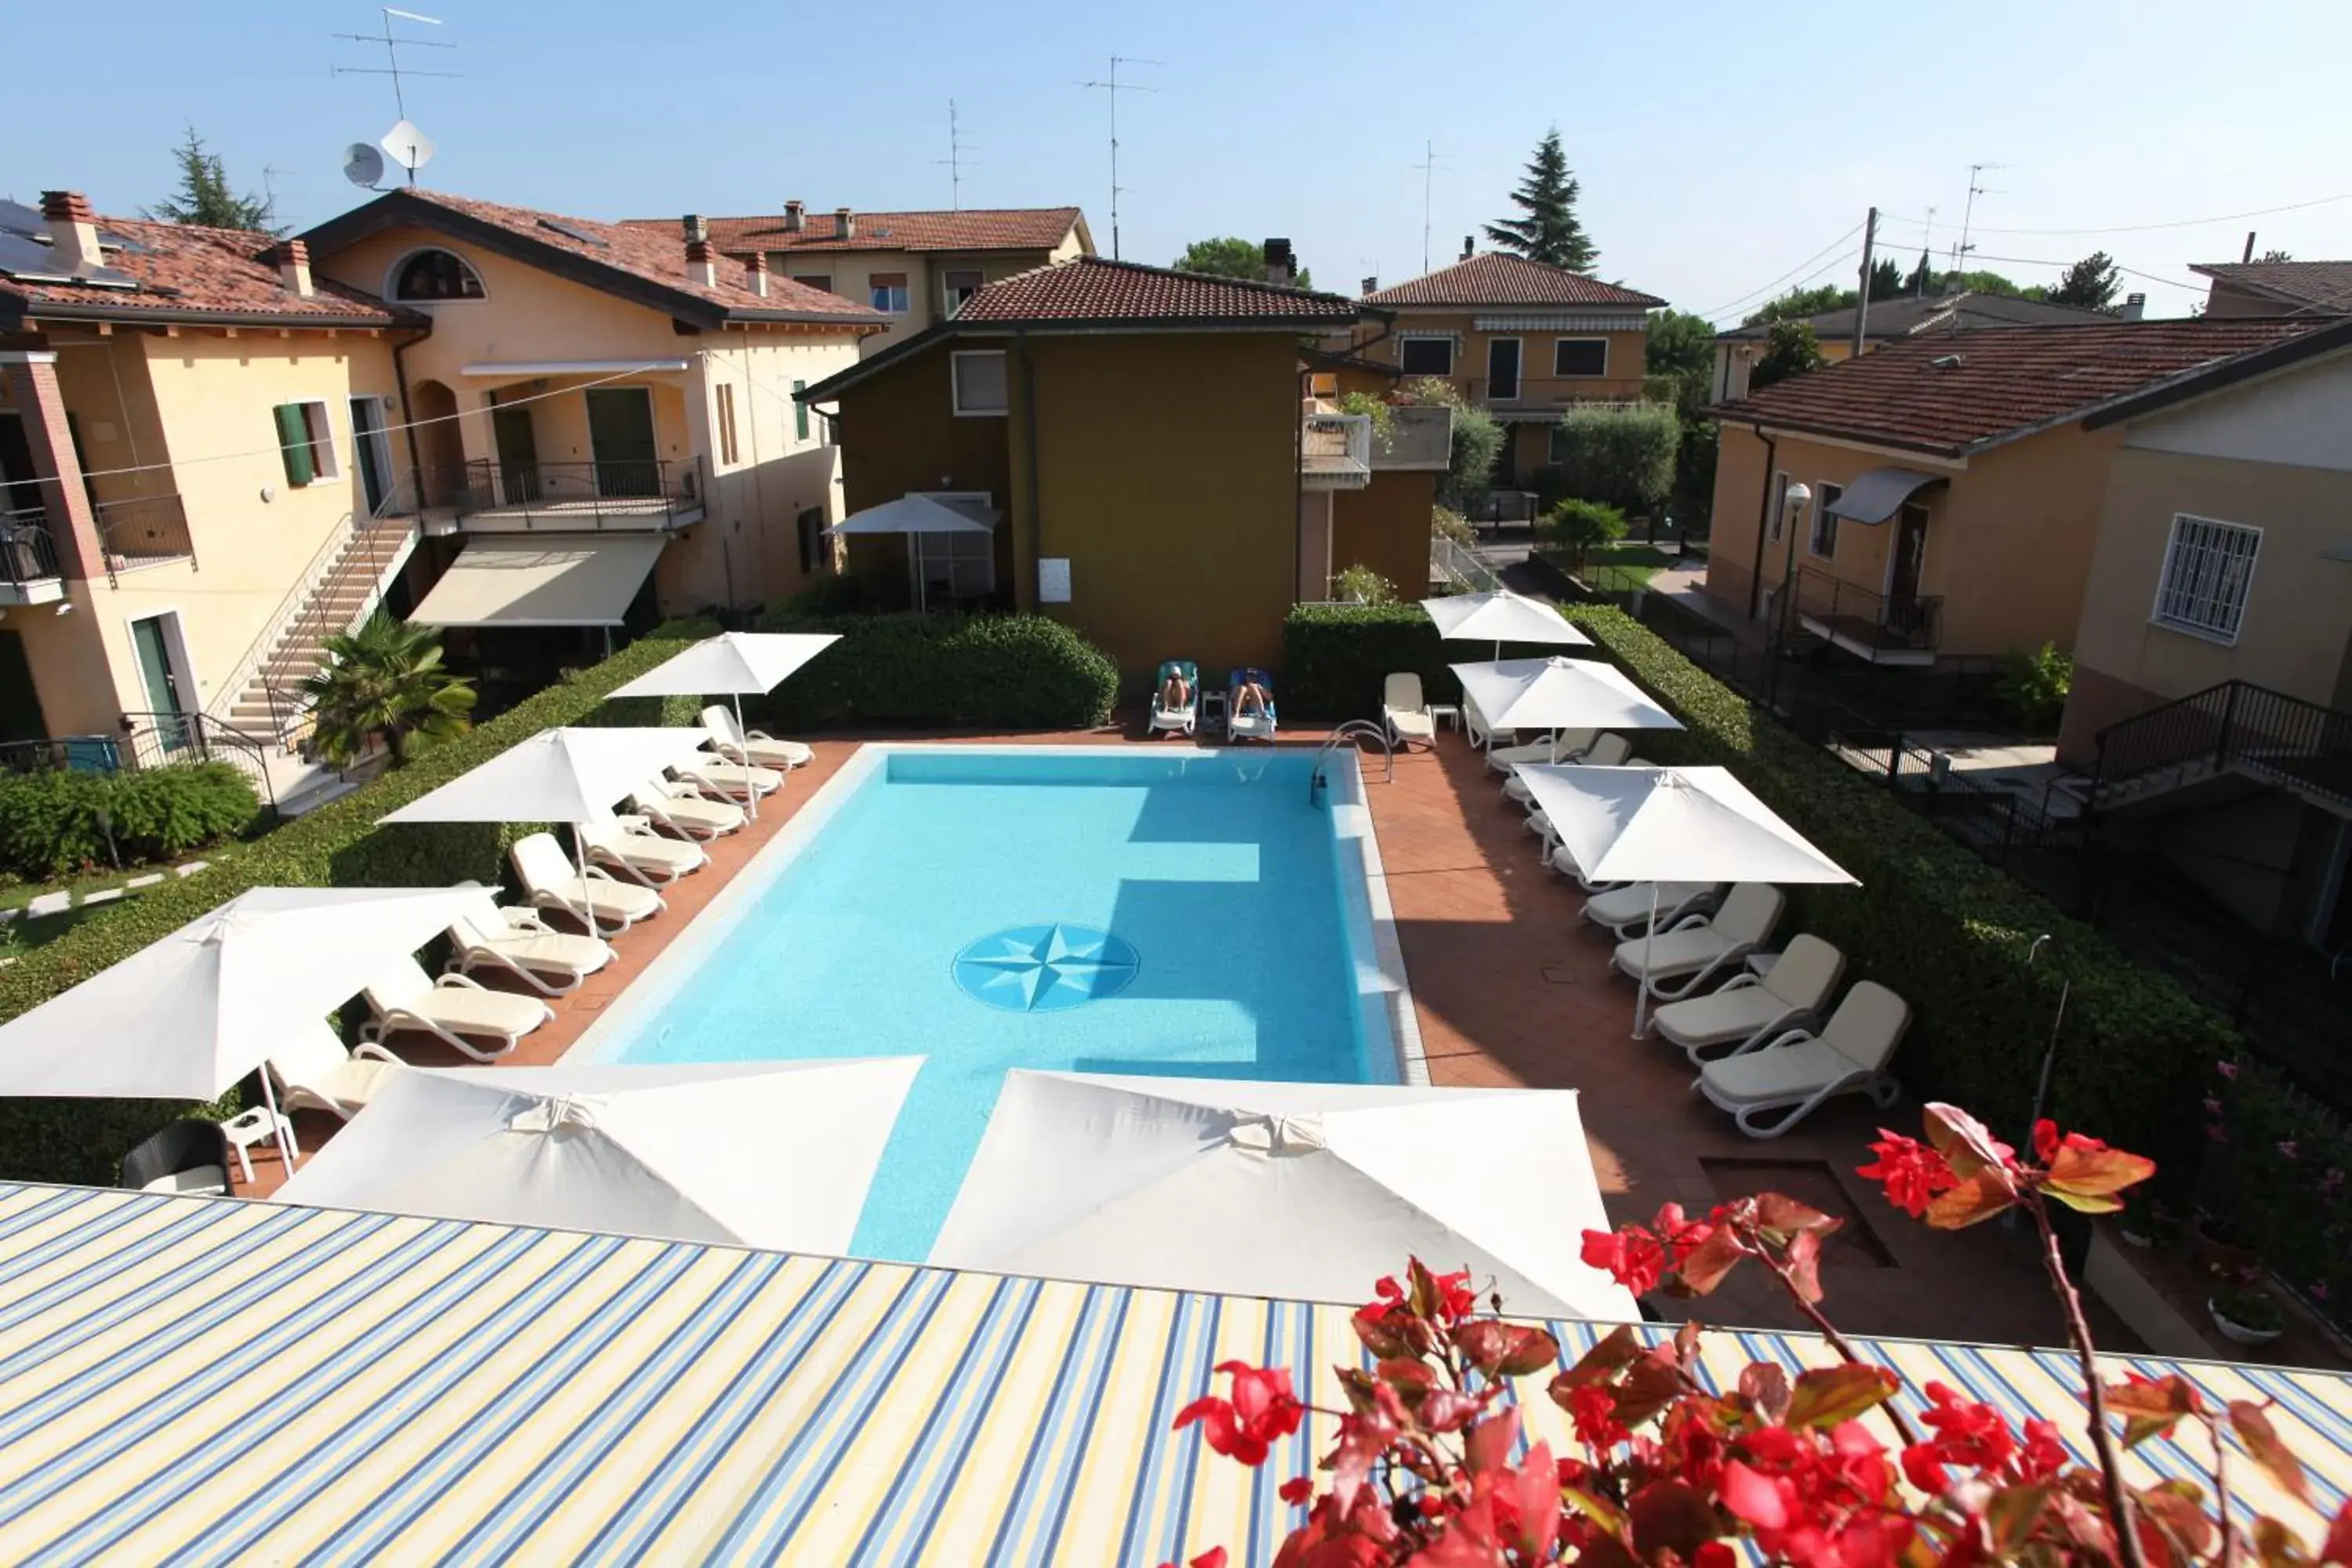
x,y
1502,369
620,436
375,452
153,640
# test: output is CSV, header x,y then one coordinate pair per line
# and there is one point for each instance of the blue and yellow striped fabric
x,y
186,1380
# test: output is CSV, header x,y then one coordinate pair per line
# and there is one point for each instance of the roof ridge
x,y
1263,284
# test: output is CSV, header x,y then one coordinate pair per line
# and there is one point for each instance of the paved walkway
x,y
1511,988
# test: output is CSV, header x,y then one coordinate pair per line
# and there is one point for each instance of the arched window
x,y
431,275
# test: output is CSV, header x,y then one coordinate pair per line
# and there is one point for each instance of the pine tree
x,y
1548,231
2091,282
1922,276
204,197
1886,278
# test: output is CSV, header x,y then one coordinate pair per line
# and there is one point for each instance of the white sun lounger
x,y
629,845
456,1009
314,1072
1601,752
729,781
552,963
1753,1008
1404,708
1184,719
1626,909
1675,962
756,748
1570,746
593,897
684,810
1799,1070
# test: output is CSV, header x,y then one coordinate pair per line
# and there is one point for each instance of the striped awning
x,y
210,1381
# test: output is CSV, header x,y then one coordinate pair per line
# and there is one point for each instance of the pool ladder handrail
x,y
1351,733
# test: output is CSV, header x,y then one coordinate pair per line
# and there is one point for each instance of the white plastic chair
x,y
685,810
456,1009
551,962
755,748
629,845
594,896
1404,708
1796,1072
1626,909
1752,1008
314,1072
1675,962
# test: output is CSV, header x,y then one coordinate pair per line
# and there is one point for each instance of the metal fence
x,y
1459,568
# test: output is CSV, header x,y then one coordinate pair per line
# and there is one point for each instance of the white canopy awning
x,y
1559,693
1309,1191
731,661
1671,825
1875,496
771,1155
560,582
571,776
920,514
1501,617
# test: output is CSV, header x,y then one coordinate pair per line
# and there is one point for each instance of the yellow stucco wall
x,y
1385,526
899,432
1628,354
850,274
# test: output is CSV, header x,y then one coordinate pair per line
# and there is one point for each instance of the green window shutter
x,y
294,443
800,411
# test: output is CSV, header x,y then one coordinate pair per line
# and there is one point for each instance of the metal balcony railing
x,y
2236,725
647,494
1335,450
139,530
1560,392
29,554
1901,628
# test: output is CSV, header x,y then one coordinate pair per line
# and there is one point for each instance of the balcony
x,y
28,559
1537,397
649,496
142,530
1417,438
1903,629
1335,451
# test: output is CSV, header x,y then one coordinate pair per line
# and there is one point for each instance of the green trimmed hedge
x,y
339,845
1947,930
50,822
1011,672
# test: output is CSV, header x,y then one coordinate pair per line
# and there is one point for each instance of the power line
x,y
2174,223
1766,288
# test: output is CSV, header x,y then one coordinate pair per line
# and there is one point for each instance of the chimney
x,y
1371,284
700,268
792,220
1281,266
693,227
755,273
2134,306
845,223
1469,243
73,231
293,258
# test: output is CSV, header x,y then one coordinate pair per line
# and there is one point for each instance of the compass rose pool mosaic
x,y
1085,908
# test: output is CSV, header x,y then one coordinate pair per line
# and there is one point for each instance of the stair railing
x,y
2306,746
372,548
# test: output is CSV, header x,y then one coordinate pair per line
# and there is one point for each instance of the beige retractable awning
x,y
570,582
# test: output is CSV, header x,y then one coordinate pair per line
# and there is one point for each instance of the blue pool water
x,y
1111,912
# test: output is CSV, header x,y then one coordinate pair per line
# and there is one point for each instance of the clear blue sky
x,y
1718,143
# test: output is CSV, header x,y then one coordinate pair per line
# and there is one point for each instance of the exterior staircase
x,y
343,584
2236,730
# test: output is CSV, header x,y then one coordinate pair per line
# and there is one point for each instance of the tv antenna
x,y
957,148
1976,172
409,147
1114,86
270,175
1430,159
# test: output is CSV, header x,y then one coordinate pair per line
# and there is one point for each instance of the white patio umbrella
x,y
733,663
191,1014
1500,617
1671,825
1558,693
1309,1190
913,514
568,775
771,1155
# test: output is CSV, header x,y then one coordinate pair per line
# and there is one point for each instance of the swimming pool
x,y
1084,909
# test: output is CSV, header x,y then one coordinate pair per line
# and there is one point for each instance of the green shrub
x,y
1620,456
1576,526
55,824
1478,440
337,845
1361,585
1012,672
1336,657
2035,685
1444,523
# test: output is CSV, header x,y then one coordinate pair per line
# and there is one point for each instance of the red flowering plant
x,y
1430,1469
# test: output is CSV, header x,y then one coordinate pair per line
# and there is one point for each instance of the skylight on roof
x,y
570,231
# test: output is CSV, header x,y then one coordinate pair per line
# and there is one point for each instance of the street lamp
x,y
1793,501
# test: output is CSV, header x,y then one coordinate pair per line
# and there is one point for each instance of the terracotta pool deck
x,y
1512,989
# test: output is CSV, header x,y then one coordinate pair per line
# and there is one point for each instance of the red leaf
x,y
1825,1396
1978,1197
2151,1405
1780,1214
1766,1387
2013,1513
1510,1350
1489,1445
1615,1353
1713,1258
2276,1544
1535,1492
2337,1547
2096,1172
2261,1440
1967,1145
2181,1516
1753,1497
1804,1265
1671,1516
1655,1382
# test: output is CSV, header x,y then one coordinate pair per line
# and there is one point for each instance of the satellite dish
x,y
410,148
363,164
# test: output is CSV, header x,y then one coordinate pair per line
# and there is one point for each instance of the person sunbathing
x,y
1250,701
1175,694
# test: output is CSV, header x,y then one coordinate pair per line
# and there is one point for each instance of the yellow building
x,y
2277,288
1955,485
1525,340
1150,452
913,269
2212,693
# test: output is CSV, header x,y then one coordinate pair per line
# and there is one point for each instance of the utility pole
x,y
1861,298
1114,86
1428,167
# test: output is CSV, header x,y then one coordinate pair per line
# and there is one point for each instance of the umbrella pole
x,y
587,903
281,1126
1642,996
750,793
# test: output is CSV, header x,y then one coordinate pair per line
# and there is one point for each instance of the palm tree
x,y
385,681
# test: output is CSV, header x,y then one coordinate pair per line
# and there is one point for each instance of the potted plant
x,y
2149,1225
2244,1312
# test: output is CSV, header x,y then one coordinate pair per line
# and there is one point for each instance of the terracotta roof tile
x,y
181,271
1092,288
1902,317
1498,278
2322,285
975,228
1950,394
654,255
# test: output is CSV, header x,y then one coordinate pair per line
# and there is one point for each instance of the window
x,y
1823,542
2206,569
1557,452
307,443
820,281
726,424
800,411
978,378
887,292
814,551
955,565
960,286
1779,505
1579,356
1324,384
1425,356
431,275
